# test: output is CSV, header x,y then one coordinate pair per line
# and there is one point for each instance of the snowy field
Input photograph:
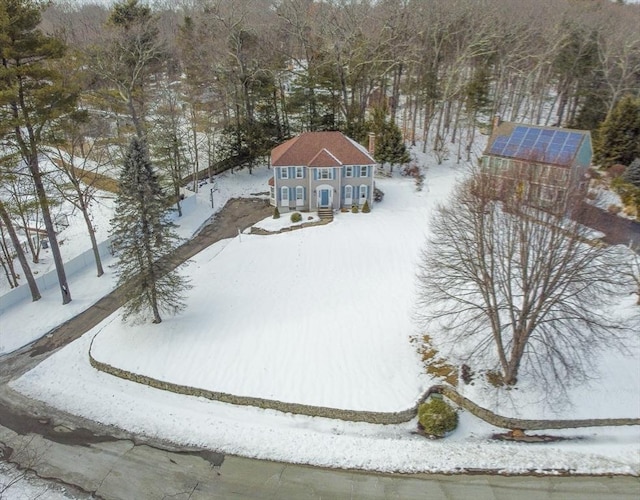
x,y
320,316
257,324
28,320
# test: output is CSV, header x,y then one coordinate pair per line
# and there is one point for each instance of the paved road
x,y
617,230
123,469
110,463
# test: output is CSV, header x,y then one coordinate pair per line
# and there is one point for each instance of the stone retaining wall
x,y
371,417
522,424
264,232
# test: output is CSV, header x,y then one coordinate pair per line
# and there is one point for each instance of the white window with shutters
x,y
284,196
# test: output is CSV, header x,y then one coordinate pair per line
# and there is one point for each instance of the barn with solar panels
x,y
554,161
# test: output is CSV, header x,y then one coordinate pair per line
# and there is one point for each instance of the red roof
x,y
320,149
271,182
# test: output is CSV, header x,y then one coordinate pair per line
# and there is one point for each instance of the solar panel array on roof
x,y
537,144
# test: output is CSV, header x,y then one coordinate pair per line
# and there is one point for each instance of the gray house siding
x,y
290,184
315,188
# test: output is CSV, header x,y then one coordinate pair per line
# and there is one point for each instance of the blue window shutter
x,y
315,174
304,193
292,193
292,172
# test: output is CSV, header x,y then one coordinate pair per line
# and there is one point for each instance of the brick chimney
x,y
372,143
496,123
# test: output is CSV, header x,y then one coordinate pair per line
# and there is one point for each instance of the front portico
x,y
324,196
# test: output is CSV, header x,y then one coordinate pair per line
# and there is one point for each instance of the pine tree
x,y
390,147
618,139
632,173
143,238
33,94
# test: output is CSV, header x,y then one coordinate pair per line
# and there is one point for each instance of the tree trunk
x,y
11,276
35,250
48,224
33,287
135,118
7,261
194,129
92,236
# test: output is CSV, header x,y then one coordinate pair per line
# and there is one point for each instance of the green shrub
x,y
365,207
354,209
276,213
437,417
296,217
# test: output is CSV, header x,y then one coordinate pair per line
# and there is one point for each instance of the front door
x,y
324,198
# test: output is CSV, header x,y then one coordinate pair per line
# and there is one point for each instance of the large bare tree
x,y
510,288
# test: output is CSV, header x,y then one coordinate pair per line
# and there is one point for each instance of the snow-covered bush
x,y
437,417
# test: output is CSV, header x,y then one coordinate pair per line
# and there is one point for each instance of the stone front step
x,y
325,213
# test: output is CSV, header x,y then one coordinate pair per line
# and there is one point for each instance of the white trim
x,y
284,200
332,156
362,191
321,188
362,149
348,200
299,200
325,169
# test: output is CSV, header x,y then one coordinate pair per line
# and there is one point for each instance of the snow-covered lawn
x,y
322,316
28,321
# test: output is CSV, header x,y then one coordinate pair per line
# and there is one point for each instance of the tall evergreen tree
x,y
143,238
618,139
390,147
33,94
632,173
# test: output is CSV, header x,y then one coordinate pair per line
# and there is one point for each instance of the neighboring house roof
x,y
271,181
320,149
550,145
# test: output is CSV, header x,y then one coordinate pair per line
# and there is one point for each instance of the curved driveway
x,y
109,463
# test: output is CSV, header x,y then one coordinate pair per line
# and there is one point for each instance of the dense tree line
x,y
212,84
267,69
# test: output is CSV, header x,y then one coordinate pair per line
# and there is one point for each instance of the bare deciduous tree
x,y
515,288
